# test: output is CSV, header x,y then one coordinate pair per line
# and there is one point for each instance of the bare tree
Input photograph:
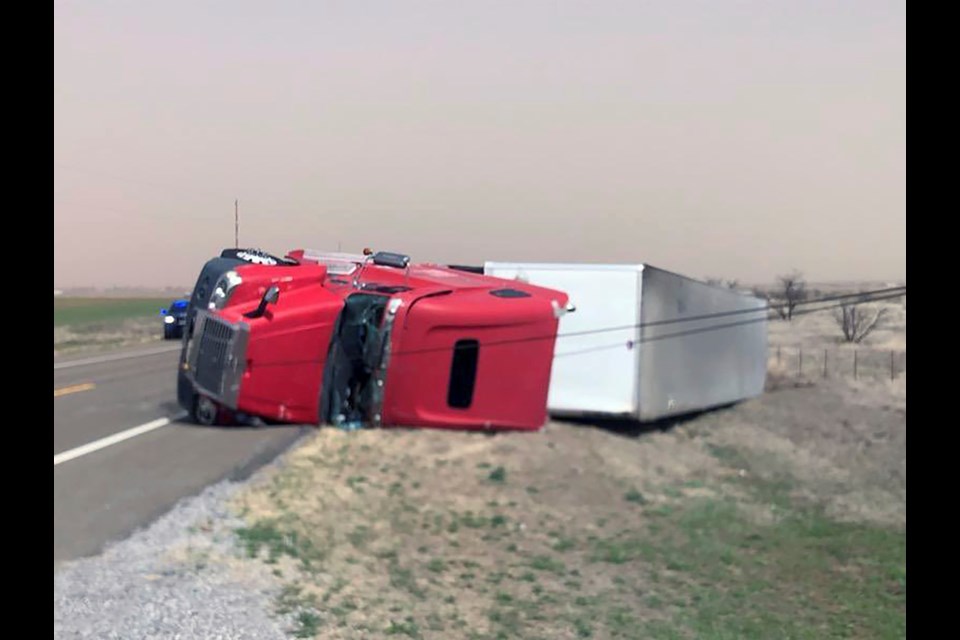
x,y
791,291
857,322
720,282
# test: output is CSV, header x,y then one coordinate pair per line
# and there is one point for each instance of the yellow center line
x,y
86,386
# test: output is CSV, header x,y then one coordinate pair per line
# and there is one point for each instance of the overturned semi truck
x,y
373,340
647,344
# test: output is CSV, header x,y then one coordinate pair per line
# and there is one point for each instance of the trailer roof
x,y
638,267
570,266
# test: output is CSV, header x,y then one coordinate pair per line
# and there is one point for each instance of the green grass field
x,y
699,569
580,533
74,312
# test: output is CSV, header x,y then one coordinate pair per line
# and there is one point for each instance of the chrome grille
x,y
216,358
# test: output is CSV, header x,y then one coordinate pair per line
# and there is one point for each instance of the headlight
x,y
169,320
222,290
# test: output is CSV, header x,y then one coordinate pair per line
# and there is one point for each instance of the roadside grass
x,y
806,576
375,540
77,312
95,324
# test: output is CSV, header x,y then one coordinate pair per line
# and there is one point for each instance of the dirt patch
x,y
575,531
848,456
107,335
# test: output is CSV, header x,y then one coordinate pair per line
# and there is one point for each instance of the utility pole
x,y
236,224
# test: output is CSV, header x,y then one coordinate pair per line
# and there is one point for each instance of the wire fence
x,y
858,363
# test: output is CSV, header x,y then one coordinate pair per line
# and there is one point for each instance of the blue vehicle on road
x,y
174,319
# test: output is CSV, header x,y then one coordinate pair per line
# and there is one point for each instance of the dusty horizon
x,y
738,141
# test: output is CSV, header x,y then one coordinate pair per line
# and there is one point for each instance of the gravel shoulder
x,y
576,531
175,579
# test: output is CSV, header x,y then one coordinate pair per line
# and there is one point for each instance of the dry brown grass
x,y
798,349
818,330
420,533
102,336
783,516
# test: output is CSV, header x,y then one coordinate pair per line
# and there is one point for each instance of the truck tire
x,y
205,411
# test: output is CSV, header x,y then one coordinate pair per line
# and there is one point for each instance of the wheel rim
x,y
206,411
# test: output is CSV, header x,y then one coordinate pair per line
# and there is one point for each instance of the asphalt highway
x,y
124,454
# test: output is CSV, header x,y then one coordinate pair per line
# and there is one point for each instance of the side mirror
x,y
271,296
163,312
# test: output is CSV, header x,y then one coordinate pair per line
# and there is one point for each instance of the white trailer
x,y
645,344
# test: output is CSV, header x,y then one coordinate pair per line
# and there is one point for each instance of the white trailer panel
x,y
622,353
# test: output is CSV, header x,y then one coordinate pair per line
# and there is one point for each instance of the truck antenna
x,y
236,224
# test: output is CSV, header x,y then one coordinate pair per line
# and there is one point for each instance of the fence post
x,y
824,363
892,369
800,362
854,364
778,354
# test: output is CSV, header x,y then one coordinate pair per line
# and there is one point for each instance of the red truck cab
x,y
371,340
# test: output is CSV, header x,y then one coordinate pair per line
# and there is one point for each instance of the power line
x,y
618,345
753,320
865,297
630,343
876,295
723,314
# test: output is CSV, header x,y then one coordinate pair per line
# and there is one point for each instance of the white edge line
x,y
102,443
116,356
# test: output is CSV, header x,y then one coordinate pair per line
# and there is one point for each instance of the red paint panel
x,y
286,353
288,345
516,339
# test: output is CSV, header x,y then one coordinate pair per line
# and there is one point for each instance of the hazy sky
x,y
722,138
